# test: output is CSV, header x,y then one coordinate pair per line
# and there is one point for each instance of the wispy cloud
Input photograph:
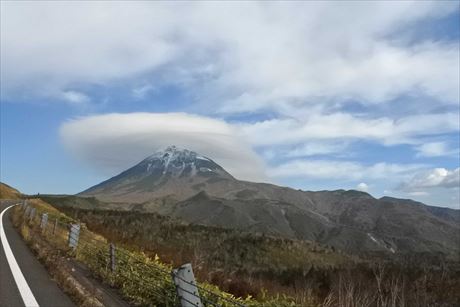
x,y
388,131
436,149
351,170
314,79
434,178
142,91
75,97
313,148
278,55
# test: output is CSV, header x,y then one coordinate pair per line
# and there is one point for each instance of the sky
x,y
312,95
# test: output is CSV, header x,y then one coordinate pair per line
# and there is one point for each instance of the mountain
x,y
186,185
172,171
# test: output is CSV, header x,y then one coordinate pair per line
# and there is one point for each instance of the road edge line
x,y
26,294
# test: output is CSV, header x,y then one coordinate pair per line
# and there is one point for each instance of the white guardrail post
x,y
44,221
186,288
74,234
32,214
27,211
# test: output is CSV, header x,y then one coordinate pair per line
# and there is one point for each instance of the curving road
x,y
23,280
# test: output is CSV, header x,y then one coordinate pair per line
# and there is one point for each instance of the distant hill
x,y
7,192
186,185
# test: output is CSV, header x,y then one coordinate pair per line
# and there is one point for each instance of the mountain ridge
x,y
186,185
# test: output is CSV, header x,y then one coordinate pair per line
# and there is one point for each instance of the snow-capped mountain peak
x,y
176,161
172,153
172,170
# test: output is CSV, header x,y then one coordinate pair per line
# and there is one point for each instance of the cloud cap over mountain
x,y
114,142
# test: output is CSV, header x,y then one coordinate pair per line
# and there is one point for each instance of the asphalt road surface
x,y
23,279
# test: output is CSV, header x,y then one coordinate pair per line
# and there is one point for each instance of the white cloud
x,y
435,178
74,97
330,169
362,187
115,142
277,56
304,62
346,126
435,149
142,91
317,148
385,72
418,193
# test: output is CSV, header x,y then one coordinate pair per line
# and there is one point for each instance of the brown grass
x,y
242,264
7,192
56,263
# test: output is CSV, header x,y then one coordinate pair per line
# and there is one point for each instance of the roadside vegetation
x,y
253,269
256,265
141,279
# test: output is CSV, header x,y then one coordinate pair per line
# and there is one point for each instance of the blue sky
x,y
315,95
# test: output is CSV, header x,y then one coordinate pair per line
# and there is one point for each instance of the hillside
x,y
258,265
7,192
186,185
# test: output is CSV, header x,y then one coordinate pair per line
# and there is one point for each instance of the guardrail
x,y
159,284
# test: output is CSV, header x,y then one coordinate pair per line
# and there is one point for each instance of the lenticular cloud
x,y
114,142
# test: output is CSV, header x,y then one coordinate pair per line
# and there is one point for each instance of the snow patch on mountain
x,y
205,169
372,238
202,158
177,162
382,243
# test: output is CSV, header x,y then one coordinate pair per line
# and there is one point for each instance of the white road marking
x,y
26,294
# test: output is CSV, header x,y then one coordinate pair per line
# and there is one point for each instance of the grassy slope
x,y
7,192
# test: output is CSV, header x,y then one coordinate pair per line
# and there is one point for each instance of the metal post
x,y
112,257
186,288
32,213
55,226
44,221
27,211
74,234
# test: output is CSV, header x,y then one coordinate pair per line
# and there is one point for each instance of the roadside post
x,y
74,235
112,257
44,221
186,288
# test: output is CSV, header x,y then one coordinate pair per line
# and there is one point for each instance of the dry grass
x,y
245,264
43,206
7,192
137,276
55,261
362,284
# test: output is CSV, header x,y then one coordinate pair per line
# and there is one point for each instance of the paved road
x,y
44,291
